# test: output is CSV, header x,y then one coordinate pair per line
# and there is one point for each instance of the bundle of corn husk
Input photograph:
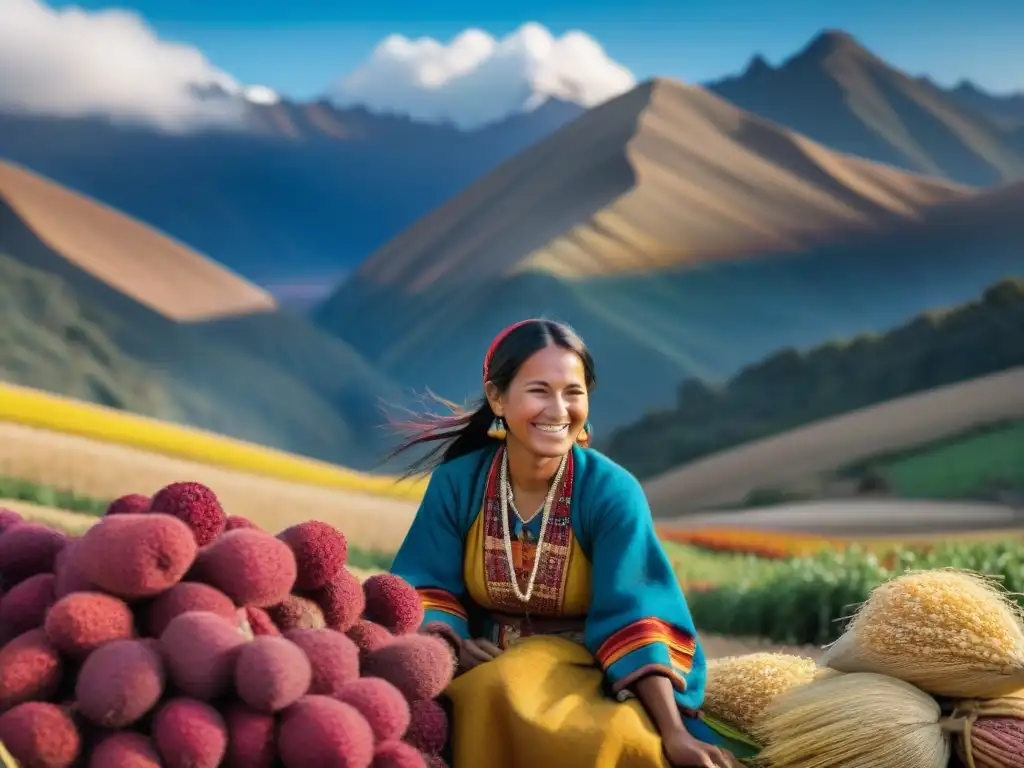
x,y
950,633
740,688
989,733
857,720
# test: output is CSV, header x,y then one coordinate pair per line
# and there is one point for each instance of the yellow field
x,y
42,410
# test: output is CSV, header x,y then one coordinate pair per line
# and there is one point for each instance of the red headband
x,y
500,338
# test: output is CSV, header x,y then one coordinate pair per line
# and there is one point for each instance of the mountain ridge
x,y
836,91
830,227
637,137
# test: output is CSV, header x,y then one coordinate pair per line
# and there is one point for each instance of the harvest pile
x,y
929,673
173,635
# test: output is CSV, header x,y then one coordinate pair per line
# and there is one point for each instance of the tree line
x,y
791,388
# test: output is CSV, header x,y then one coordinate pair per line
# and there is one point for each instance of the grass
x,y
48,496
42,410
962,468
698,568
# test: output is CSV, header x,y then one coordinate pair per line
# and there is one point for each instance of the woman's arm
x,y
659,699
681,748
639,623
431,559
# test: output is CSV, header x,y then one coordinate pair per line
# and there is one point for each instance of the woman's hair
x,y
464,431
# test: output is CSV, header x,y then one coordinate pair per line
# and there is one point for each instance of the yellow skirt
x,y
541,703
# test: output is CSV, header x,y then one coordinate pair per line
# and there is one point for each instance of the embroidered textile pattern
x,y
681,645
554,551
434,599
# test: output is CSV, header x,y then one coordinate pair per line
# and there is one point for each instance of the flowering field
x,y
763,544
65,416
778,545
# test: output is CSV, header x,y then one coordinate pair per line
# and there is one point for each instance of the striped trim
x,y
441,600
680,643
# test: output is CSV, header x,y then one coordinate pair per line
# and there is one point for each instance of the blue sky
x,y
299,46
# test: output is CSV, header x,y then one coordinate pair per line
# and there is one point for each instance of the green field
x,y
970,465
806,600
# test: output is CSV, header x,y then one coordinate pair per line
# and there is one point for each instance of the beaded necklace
x,y
504,489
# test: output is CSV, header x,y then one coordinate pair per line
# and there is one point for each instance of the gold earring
x,y
583,438
497,430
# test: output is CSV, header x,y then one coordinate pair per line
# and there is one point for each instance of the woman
x,y
536,558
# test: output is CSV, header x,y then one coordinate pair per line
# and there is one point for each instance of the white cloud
x,y
74,63
476,79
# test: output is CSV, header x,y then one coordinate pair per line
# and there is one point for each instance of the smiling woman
x,y
536,559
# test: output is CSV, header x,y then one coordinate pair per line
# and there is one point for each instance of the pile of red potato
x,y
171,634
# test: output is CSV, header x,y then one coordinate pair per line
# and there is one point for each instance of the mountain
x,y
1006,111
842,95
682,237
300,195
97,306
150,268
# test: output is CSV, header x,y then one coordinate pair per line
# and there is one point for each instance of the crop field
x,y
802,600
65,416
779,545
52,469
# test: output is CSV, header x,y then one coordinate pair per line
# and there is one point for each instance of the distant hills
x,y
840,94
682,237
792,388
302,196
97,306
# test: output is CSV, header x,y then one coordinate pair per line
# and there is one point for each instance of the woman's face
x,y
546,404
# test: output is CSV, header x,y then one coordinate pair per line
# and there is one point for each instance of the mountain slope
x,y
303,195
267,376
842,95
150,268
681,236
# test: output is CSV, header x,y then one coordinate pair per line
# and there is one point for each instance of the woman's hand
x,y
684,751
473,653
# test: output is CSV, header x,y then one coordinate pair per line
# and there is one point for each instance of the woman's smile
x,y
550,429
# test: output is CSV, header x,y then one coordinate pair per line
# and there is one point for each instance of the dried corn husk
x,y
739,688
950,633
824,673
859,720
989,733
